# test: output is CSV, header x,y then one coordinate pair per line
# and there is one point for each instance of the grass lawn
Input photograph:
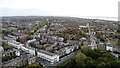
x,y
35,64
65,63
47,45
8,57
7,47
63,27
51,31
113,42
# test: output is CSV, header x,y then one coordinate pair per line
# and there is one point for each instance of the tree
x,y
94,54
8,57
112,64
79,59
109,56
6,32
29,32
7,47
85,49
28,37
88,59
102,59
76,48
91,63
65,40
102,65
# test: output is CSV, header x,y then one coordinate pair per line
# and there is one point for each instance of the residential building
x,y
73,42
23,60
11,52
51,57
65,51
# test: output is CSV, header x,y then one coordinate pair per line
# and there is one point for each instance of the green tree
x,y
88,59
112,64
29,32
6,32
91,63
102,59
93,54
7,47
76,48
28,37
109,56
79,59
102,65
85,49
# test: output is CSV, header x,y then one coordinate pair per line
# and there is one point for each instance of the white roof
x,y
31,40
1,48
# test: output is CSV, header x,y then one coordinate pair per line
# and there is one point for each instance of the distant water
x,y
103,18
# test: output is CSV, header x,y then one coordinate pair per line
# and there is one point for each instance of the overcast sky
x,y
77,8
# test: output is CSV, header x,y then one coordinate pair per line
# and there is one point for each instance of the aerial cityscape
x,y
53,41
59,34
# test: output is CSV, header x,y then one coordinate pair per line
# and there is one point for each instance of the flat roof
x,y
46,52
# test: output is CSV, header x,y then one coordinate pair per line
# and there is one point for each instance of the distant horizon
x,y
58,16
86,17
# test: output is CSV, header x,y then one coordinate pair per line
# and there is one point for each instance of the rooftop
x,y
46,52
1,48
